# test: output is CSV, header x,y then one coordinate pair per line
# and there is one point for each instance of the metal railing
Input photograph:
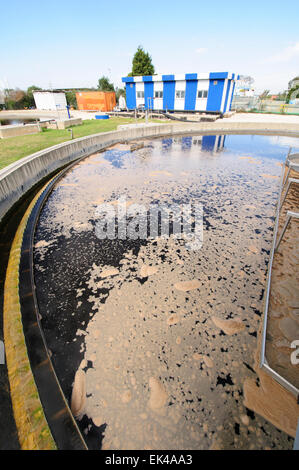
x,y
290,214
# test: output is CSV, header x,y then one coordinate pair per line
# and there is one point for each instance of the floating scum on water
x,y
136,221
152,333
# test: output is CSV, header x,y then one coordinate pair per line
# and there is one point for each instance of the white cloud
x,y
286,55
201,50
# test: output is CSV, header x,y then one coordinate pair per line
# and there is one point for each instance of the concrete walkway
x,y
36,113
237,117
259,117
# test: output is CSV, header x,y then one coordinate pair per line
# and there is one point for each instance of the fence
x,y
254,104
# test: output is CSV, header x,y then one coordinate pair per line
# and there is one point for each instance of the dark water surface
x,y
14,122
162,336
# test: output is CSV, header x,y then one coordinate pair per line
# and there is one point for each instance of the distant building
x,y
49,100
186,92
96,100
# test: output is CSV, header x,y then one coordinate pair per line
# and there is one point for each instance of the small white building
x,y
50,100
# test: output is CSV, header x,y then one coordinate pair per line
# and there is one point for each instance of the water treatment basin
x,y
155,337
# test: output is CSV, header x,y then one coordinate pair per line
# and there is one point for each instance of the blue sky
x,y
71,43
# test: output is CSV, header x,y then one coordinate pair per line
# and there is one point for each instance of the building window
x,y
140,94
202,94
158,94
180,94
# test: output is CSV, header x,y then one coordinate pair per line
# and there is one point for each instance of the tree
x,y
71,98
15,98
281,96
105,85
31,89
19,99
292,93
293,82
142,63
28,100
264,95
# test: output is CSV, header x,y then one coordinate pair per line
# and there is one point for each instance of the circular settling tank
x,y
155,335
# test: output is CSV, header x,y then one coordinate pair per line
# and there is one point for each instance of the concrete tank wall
x,y
14,131
19,177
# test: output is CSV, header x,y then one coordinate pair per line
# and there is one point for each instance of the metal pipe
x,y
264,330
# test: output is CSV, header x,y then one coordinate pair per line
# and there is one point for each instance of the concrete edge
x,y
33,430
19,177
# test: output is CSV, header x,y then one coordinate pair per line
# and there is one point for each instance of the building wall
x,y
180,87
139,93
158,89
183,92
131,93
96,100
49,101
201,103
59,100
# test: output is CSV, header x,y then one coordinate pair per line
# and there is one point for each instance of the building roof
x,y
48,91
183,76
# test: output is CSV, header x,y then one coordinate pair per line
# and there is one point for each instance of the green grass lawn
x,y
14,148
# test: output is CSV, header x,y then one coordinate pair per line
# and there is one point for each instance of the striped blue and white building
x,y
212,92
